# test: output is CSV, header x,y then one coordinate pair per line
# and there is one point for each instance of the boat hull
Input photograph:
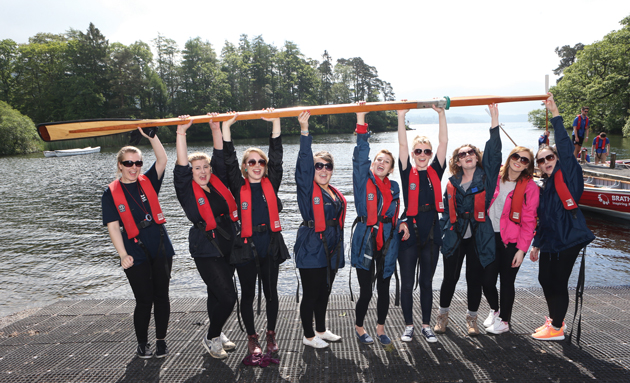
x,y
614,202
72,152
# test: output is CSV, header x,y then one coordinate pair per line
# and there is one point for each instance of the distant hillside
x,y
463,118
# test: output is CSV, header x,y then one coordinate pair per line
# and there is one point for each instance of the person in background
x,y
422,193
544,138
513,215
580,131
600,148
467,232
135,222
319,244
260,248
374,241
200,185
562,232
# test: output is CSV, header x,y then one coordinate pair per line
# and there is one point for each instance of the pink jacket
x,y
511,232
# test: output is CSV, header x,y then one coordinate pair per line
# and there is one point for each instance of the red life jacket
x,y
123,207
579,123
563,192
205,210
518,197
318,208
480,204
598,139
246,211
372,205
414,191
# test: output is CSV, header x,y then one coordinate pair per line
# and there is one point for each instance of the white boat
x,y
71,152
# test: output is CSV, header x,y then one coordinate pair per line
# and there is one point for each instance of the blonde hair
x,y
121,154
387,152
324,155
452,163
546,147
198,156
527,173
421,140
246,155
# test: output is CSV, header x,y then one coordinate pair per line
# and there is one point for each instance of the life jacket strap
x,y
311,224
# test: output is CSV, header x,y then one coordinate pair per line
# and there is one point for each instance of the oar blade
x,y
70,130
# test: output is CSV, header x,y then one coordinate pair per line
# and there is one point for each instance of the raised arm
x,y
275,152
440,153
305,169
361,166
403,148
160,154
180,141
492,154
225,127
217,136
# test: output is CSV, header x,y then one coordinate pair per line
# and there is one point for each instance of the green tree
x,y
167,70
17,132
536,117
8,58
567,56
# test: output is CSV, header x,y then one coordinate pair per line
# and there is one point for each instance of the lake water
x,y
53,245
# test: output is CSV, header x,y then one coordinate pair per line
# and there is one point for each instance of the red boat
x,y
606,195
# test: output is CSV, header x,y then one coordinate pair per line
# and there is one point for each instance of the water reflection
x,y
54,245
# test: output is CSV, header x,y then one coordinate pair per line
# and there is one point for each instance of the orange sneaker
x,y
549,333
548,323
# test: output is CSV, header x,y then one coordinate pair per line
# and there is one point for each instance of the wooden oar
x,y
68,130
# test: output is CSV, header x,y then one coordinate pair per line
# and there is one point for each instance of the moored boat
x,y
606,195
71,152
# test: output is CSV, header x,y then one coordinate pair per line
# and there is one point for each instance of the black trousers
x,y
314,299
217,274
407,261
452,269
149,283
247,276
502,265
382,303
553,274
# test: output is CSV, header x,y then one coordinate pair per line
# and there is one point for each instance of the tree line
x,y
81,75
597,76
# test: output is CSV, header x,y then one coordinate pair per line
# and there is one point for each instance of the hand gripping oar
x,y
503,130
69,130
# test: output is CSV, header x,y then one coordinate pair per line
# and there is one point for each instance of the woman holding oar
x,y
422,193
260,248
513,216
562,230
374,242
200,186
131,203
319,244
467,232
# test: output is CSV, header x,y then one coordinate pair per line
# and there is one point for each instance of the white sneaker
x,y
490,319
498,327
329,336
214,347
227,344
316,342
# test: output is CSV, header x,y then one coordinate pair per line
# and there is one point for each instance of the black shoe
x,y
144,350
161,351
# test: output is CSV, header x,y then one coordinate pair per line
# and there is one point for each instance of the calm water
x,y
53,244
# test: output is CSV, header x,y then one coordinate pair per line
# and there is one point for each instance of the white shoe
x,y
227,344
498,327
214,347
329,336
490,319
316,342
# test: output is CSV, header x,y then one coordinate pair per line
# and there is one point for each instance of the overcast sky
x,y
425,49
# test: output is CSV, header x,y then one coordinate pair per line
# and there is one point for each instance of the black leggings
x,y
314,299
452,269
217,273
407,261
553,274
382,303
149,283
502,265
247,276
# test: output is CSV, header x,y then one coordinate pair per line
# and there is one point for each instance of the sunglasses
x,y
549,157
129,164
418,152
462,155
516,157
320,166
261,162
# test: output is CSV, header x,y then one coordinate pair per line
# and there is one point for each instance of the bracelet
x,y
304,132
183,134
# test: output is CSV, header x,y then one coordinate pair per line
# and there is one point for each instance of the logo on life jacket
x,y
201,201
414,192
412,186
370,197
563,191
205,210
316,200
269,195
244,206
121,208
126,216
319,221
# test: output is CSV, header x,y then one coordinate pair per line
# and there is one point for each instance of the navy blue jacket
x,y
560,229
362,251
483,179
309,250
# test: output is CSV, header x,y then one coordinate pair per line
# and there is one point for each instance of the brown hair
x,y
387,152
527,173
246,155
452,163
121,154
546,147
324,155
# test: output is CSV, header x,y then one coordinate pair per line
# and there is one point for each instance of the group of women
x,y
489,216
